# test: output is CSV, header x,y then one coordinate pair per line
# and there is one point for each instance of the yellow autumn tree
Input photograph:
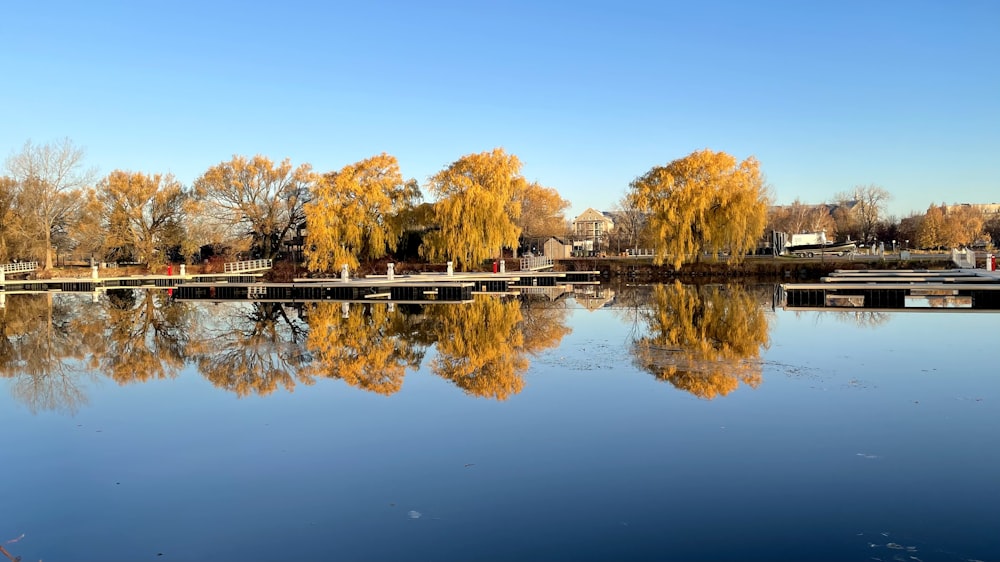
x,y
360,344
355,213
966,225
480,346
931,231
144,212
543,214
704,202
478,205
255,200
704,340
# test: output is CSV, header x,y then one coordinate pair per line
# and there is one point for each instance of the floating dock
x,y
242,283
898,290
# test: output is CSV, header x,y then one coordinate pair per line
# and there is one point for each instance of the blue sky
x,y
589,95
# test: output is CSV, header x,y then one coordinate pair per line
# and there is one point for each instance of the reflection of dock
x,y
898,290
454,287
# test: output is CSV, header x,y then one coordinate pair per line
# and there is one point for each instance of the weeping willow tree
x,y
704,202
704,340
355,214
361,344
477,208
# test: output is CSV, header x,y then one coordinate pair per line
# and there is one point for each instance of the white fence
x,y
538,262
251,265
965,259
19,266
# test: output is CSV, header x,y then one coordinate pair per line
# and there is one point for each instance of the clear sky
x,y
589,95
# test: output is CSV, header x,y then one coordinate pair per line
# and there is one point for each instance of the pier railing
x,y
537,262
19,266
965,259
250,265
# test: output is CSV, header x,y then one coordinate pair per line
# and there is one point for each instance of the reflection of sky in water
x,y
863,441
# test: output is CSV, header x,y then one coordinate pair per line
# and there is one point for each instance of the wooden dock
x,y
244,283
898,290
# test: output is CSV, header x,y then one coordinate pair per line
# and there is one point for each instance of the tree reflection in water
x,y
41,352
141,336
703,339
482,347
251,348
365,345
50,346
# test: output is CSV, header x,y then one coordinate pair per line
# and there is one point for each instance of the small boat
x,y
810,250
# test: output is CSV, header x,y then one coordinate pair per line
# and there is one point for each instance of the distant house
x,y
593,226
557,248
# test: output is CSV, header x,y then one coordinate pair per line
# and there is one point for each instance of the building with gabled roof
x,y
594,226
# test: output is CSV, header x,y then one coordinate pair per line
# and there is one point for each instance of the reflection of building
x,y
590,230
593,297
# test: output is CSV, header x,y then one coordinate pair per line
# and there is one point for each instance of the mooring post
x,y
182,270
345,276
503,266
93,272
3,277
451,270
389,274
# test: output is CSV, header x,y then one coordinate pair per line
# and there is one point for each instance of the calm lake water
x,y
653,423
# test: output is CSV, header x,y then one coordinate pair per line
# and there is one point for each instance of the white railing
x,y
19,266
965,259
251,265
538,262
640,252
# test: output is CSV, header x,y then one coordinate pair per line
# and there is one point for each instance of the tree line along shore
x,y
53,210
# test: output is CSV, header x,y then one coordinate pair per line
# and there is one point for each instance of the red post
x,y
170,269
494,267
